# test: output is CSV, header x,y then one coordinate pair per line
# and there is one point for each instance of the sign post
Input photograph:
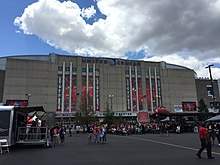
x,y
143,117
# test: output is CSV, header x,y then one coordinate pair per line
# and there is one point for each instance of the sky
x,y
182,32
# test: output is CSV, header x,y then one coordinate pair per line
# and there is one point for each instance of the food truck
x,y
15,125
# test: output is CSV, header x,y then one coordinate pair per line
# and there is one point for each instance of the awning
x,y
214,119
32,111
161,111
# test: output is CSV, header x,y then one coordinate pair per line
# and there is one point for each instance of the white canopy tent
x,y
214,119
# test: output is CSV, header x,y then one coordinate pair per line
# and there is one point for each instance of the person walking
x,y
90,132
62,134
95,133
78,129
167,126
218,133
211,128
205,142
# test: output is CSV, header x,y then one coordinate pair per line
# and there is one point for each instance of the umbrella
x,y
214,119
161,111
166,119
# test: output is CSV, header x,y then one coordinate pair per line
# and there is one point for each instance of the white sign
x,y
178,108
125,114
213,110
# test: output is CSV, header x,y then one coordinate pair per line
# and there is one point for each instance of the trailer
x,y
15,128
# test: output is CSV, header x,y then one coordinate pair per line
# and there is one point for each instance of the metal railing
x,y
31,134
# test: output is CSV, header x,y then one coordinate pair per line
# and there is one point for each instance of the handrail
x,y
32,133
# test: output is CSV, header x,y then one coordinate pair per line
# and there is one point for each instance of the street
x,y
119,150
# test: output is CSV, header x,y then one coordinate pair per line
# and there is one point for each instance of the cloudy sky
x,y
183,32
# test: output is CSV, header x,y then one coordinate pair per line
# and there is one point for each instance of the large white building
x,y
62,84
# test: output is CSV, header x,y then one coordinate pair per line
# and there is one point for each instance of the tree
x,y
85,115
202,107
109,118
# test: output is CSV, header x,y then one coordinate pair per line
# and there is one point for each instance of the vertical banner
x,y
97,94
74,94
134,93
128,94
148,93
59,92
209,90
66,93
90,93
140,97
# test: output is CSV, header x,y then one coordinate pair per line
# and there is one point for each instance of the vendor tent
x,y
214,119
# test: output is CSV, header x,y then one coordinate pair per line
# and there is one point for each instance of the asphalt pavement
x,y
151,149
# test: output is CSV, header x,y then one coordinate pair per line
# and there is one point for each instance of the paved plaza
x,y
119,150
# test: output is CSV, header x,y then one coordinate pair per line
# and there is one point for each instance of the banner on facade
x,y
178,108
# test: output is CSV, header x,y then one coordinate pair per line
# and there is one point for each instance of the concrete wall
x,y
39,78
178,85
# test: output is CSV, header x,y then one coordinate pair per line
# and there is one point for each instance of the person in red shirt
x,y
205,142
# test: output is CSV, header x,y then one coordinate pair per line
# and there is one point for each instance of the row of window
x,y
74,69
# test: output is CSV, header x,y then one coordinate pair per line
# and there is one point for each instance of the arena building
x,y
62,84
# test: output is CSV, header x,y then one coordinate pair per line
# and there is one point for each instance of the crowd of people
x,y
57,134
96,133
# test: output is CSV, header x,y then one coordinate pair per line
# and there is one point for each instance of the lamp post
x,y
212,86
111,97
28,97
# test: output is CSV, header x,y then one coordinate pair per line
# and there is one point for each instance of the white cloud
x,y
88,12
190,62
167,28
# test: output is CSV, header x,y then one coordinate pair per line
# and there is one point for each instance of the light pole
x,y
111,97
28,97
212,86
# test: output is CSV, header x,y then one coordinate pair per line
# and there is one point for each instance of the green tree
x,y
202,107
85,115
109,118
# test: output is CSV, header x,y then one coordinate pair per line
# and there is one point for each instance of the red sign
x,y
143,117
20,103
189,106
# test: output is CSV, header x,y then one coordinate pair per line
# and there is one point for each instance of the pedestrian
x,y
205,142
218,133
95,133
55,135
70,130
77,129
178,129
101,134
90,132
104,130
167,126
161,128
211,130
62,134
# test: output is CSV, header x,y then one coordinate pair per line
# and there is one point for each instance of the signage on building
x,y
213,110
189,106
19,103
178,108
111,62
143,117
209,90
125,114
214,104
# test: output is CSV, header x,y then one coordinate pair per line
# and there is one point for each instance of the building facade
x,y
204,91
62,84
